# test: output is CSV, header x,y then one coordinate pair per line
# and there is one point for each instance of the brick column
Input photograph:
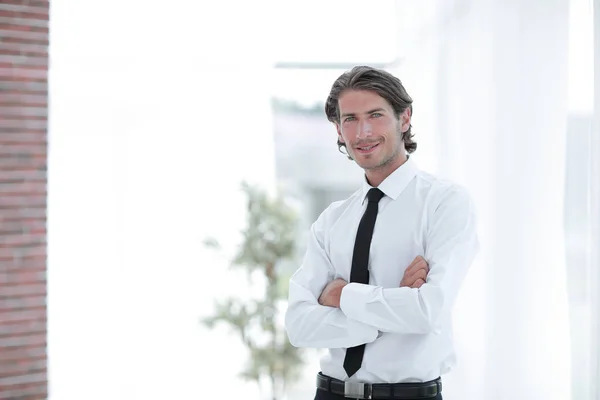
x,y
23,147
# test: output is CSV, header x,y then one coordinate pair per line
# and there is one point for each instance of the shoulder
x,y
443,193
335,211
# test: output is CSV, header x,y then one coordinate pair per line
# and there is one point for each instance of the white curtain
x,y
594,243
497,73
158,111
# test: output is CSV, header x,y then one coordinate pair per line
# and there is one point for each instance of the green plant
x,y
269,241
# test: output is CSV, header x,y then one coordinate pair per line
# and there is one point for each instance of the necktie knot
x,y
375,195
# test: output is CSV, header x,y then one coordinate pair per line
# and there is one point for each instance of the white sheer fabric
x,y
498,117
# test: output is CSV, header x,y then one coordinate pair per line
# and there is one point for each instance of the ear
x,y
339,132
405,118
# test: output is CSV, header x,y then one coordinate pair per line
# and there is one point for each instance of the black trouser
x,y
323,395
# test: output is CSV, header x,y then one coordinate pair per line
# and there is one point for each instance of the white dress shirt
x,y
408,331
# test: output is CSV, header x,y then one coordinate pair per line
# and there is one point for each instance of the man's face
x,y
370,130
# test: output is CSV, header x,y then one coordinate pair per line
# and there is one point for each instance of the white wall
x,y
154,120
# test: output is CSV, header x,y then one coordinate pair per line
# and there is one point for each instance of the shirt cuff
x,y
354,298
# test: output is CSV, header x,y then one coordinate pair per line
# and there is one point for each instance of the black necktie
x,y
360,268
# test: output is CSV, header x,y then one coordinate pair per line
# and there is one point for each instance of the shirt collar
x,y
396,182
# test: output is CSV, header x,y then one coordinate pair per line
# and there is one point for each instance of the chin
x,y
369,164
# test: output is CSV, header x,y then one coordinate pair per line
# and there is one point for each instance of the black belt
x,y
357,390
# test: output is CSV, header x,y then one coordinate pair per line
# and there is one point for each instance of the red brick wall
x,y
23,146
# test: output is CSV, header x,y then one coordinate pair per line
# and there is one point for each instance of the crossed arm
x,y
314,319
310,324
324,312
414,277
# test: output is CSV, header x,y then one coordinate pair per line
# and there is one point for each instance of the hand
x,y
416,273
332,293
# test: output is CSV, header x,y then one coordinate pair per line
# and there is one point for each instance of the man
x,y
382,268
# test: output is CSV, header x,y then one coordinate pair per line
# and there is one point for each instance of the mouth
x,y
366,149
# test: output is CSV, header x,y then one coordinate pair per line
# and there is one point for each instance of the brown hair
x,y
379,81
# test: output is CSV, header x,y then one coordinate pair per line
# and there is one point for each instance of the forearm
x,y
408,310
399,310
309,324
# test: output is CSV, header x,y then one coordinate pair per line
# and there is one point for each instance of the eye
x,y
376,115
348,119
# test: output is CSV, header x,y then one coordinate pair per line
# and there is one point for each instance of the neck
x,y
377,175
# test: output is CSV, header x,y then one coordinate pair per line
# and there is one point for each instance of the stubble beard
x,y
389,160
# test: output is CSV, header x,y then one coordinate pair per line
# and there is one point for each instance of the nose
x,y
364,129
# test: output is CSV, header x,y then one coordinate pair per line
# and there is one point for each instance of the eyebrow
x,y
368,112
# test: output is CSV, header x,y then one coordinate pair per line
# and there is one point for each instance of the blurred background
x,y
164,276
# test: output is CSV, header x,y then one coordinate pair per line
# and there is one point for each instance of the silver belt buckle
x,y
355,390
